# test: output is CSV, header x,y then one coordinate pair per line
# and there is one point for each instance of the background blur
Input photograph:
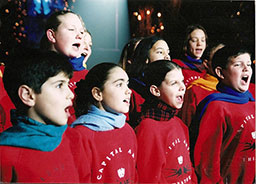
x,y
113,22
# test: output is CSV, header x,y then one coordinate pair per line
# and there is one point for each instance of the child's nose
x,y
128,91
70,94
79,35
167,57
182,87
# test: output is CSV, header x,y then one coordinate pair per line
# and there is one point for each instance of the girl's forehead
x,y
117,73
197,32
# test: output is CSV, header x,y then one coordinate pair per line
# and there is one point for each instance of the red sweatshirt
x,y
135,108
225,147
196,92
112,154
189,74
66,164
163,152
5,106
77,76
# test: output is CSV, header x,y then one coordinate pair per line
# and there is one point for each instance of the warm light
x,y
16,24
159,14
135,14
7,11
139,17
158,30
7,53
238,13
148,12
162,27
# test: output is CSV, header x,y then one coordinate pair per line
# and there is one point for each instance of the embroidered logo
x,y
121,172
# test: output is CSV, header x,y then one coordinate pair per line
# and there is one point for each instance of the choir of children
x,y
123,135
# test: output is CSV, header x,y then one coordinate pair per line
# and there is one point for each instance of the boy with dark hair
x,y
225,146
39,147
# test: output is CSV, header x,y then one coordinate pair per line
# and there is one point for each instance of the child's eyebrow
x,y
60,80
119,80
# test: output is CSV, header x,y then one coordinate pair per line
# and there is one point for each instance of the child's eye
x,y
173,83
118,84
71,29
194,40
59,85
237,64
159,52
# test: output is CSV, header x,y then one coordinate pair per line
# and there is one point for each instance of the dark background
x,y
225,21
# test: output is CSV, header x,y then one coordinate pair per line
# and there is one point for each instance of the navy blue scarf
x,y
227,94
190,62
28,133
77,63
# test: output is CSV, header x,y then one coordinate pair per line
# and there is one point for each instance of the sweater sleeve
x,y
151,154
209,144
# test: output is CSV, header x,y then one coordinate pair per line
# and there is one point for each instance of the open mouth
x,y
245,79
67,111
199,51
127,101
77,45
180,98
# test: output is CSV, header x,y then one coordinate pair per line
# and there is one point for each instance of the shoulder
x,y
179,62
9,155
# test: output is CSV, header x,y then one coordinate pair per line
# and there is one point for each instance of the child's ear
x,y
50,35
219,73
26,95
154,90
97,94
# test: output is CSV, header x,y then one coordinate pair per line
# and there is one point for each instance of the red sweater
x,y
66,164
163,152
225,147
112,154
135,108
77,76
5,106
196,92
189,74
